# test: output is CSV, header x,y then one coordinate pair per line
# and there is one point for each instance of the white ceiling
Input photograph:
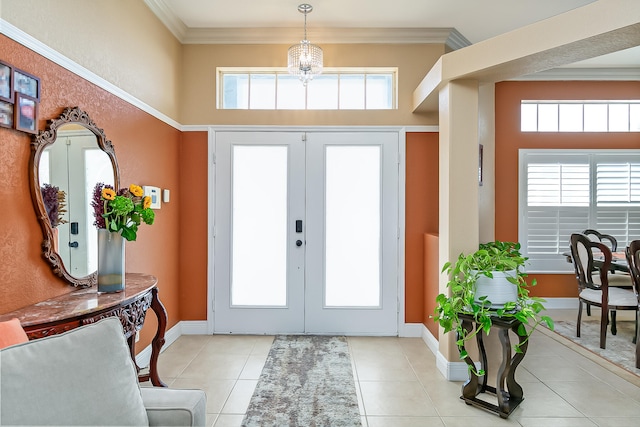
x,y
474,20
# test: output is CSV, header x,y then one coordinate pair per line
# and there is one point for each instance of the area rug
x,y
306,381
620,348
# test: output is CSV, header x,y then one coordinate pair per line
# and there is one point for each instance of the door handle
x,y
298,226
298,242
73,244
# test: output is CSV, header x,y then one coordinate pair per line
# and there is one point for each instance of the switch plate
x,y
154,193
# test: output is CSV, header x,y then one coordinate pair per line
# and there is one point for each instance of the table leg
x,y
158,340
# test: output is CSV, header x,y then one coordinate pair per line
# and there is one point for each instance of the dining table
x,y
618,261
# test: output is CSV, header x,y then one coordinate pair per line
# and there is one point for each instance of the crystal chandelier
x,y
305,59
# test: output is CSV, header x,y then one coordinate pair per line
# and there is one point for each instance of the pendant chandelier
x,y
305,59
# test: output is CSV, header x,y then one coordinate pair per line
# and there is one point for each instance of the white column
x,y
458,207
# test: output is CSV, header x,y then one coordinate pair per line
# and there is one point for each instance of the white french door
x,y
306,232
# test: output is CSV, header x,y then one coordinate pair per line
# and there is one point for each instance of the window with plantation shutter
x,y
567,191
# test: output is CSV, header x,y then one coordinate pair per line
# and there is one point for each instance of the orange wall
x,y
509,140
421,217
193,226
148,153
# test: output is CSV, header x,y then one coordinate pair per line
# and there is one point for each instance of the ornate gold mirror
x,y
67,160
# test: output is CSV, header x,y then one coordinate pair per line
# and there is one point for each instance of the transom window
x,y
569,191
580,116
335,89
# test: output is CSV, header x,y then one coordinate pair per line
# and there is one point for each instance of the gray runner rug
x,y
307,381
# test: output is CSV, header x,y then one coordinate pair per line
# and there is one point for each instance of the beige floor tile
x,y
253,367
230,344
554,368
383,367
215,366
488,420
559,383
217,391
398,398
239,398
541,401
226,420
617,422
556,422
173,361
404,422
596,399
262,345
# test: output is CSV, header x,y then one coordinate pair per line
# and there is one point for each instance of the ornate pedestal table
x,y
512,396
85,306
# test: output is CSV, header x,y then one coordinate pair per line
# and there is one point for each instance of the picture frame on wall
x,y
26,113
6,82
6,114
26,84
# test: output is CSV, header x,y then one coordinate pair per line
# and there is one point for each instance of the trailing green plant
x,y
489,258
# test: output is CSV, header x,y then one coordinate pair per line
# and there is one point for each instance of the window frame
x,y
554,262
221,71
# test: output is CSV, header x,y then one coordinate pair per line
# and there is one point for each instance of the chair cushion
x,y
82,377
11,333
617,296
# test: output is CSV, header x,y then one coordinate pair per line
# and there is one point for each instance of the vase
x,y
110,261
498,290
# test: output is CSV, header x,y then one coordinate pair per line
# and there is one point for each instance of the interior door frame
x,y
404,329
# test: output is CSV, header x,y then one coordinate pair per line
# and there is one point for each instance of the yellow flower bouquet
x,y
123,211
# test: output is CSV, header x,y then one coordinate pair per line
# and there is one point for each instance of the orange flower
x,y
108,194
136,190
146,202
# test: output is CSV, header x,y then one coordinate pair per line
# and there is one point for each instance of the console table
x,y
508,399
85,306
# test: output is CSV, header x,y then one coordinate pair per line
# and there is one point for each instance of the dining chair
x,y
594,284
601,237
633,259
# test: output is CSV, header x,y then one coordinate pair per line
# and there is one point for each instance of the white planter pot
x,y
498,290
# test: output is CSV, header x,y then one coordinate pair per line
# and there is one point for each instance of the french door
x,y
306,234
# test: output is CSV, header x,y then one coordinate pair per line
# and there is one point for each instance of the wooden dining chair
x,y
593,284
596,236
633,259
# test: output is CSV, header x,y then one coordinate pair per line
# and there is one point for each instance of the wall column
x,y
458,202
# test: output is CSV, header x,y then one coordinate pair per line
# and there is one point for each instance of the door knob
x,y
298,242
73,244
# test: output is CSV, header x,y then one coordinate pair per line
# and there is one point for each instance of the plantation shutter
x,y
566,191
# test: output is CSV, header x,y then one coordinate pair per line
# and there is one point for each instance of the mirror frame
x,y
41,141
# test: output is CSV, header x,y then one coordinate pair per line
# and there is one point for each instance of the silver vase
x,y
110,261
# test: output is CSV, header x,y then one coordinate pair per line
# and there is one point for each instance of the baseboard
x,y
410,330
561,303
452,371
194,327
429,339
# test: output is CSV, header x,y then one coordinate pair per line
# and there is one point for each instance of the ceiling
x,y
278,21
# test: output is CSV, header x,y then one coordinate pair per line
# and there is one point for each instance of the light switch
x,y
166,195
154,193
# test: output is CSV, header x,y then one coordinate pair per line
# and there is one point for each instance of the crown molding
x,y
278,35
576,73
449,36
168,18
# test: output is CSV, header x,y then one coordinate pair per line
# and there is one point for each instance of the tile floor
x,y
398,384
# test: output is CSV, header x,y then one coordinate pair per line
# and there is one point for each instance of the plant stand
x,y
512,396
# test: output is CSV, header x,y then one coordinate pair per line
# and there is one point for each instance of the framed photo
x,y
6,82
6,114
26,113
26,84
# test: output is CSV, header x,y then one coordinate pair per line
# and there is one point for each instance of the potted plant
x,y
498,264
